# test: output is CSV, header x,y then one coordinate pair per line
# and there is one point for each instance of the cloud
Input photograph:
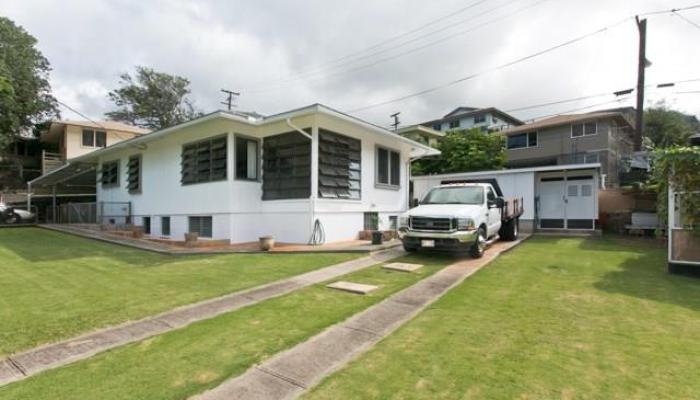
x,y
278,52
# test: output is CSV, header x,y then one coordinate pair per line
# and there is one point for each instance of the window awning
x,y
76,172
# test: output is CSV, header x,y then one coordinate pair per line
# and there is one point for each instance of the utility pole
x,y
642,63
229,100
396,122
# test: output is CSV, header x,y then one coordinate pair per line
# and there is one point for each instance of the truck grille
x,y
430,224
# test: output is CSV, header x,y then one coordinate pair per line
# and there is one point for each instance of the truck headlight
x,y
465,224
403,222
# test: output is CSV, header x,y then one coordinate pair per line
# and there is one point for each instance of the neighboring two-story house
x,y
604,137
69,139
487,119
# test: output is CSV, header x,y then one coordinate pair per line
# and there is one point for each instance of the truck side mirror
x,y
500,203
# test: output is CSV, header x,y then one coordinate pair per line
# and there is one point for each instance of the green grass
x,y
54,286
555,318
184,362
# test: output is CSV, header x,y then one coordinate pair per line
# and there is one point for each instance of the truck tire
x,y
13,219
511,230
479,246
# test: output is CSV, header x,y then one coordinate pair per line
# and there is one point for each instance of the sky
x,y
356,55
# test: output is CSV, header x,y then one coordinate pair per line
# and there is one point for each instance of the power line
x,y
409,51
81,114
688,20
392,38
496,68
670,10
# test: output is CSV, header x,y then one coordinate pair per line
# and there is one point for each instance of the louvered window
x,y
133,178
204,161
339,166
286,167
110,173
201,225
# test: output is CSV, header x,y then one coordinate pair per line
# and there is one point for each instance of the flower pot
x,y
377,237
267,243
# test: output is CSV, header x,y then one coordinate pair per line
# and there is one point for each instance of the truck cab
x,y
460,217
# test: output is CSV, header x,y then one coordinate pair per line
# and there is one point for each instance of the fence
x,y
103,212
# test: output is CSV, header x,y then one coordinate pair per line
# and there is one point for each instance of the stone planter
x,y
137,232
267,243
191,239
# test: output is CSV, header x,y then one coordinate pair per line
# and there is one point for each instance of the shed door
x,y
552,207
580,206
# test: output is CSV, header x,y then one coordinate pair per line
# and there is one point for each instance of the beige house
x,y
70,139
598,137
422,134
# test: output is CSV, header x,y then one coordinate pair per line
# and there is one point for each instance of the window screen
x,y
572,191
100,139
88,138
165,226
246,159
586,190
339,166
479,119
454,124
201,226
588,128
204,161
286,167
133,178
147,225
522,140
395,170
371,221
110,173
383,166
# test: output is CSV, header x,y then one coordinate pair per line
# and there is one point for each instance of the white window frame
x,y
258,160
584,129
388,185
94,138
527,141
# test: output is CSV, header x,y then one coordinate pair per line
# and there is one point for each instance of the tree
x,y
152,99
465,150
25,92
666,128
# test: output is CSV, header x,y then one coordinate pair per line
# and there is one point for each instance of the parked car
x,y
461,217
11,215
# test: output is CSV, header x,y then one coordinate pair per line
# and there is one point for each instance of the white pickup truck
x,y
461,217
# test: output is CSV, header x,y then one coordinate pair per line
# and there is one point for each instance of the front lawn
x,y
555,318
187,361
54,286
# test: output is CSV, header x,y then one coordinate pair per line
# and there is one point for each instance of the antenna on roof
x,y
229,99
396,122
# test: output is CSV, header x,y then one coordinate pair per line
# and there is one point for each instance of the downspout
x,y
312,196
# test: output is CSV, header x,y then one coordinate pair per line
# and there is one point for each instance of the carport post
x,y
53,203
29,196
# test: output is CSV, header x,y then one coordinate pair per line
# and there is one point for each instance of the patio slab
x,y
403,267
357,288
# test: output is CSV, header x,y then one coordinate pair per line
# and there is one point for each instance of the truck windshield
x,y
455,195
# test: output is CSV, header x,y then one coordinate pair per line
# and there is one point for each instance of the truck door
x,y
493,215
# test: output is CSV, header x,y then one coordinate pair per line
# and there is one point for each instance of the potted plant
x,y
267,243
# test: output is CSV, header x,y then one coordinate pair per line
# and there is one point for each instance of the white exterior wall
x,y
238,212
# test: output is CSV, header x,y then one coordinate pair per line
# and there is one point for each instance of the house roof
x,y
109,125
420,129
461,112
564,120
314,108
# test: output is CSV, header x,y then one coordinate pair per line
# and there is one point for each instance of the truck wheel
x,y
13,219
511,230
479,246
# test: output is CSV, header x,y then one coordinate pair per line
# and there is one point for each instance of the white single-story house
x,y
562,197
231,177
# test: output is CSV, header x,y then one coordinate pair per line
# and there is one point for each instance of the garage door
x,y
566,203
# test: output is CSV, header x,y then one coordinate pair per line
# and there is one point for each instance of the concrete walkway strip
x,y
288,374
23,365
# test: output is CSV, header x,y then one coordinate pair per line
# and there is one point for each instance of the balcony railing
x,y
50,161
